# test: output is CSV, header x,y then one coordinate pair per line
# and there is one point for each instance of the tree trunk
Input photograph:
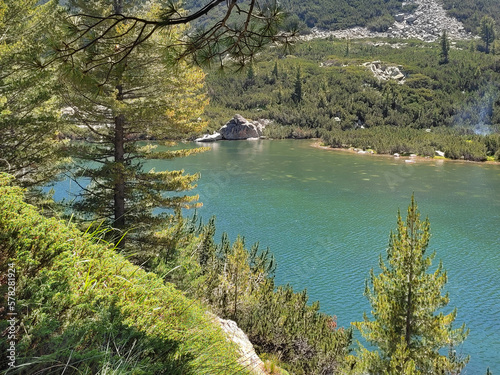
x,y
119,170
408,316
413,243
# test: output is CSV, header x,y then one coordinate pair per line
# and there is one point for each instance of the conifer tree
x,y
487,32
297,88
407,330
445,48
30,119
275,70
147,94
250,80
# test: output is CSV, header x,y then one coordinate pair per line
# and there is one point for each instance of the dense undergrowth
x,y
85,309
323,90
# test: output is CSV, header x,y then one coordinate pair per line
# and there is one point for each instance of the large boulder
x,y
240,128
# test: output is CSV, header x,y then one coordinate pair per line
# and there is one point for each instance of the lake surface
x,y
327,215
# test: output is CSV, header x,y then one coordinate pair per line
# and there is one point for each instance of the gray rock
x,y
240,128
384,72
412,18
399,17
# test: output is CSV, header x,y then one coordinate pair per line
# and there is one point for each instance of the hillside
x,y
351,94
470,12
83,308
376,15
425,21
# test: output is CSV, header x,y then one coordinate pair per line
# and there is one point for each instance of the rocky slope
x,y
426,23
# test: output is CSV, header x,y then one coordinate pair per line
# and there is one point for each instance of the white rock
x,y
248,358
209,138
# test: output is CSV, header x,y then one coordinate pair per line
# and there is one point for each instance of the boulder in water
x,y
240,128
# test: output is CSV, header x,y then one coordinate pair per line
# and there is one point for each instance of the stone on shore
x,y
240,128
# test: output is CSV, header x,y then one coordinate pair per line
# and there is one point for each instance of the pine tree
x,y
275,72
487,32
445,48
404,298
30,121
250,80
148,94
297,88
239,30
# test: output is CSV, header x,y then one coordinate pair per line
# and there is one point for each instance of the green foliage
x,y
342,14
470,12
30,123
407,329
145,96
381,23
445,48
487,32
83,308
328,14
297,88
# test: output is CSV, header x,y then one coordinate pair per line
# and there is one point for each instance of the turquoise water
x,y
327,215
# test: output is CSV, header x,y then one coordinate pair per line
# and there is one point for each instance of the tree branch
x,y
240,42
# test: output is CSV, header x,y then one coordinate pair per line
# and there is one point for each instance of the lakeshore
x,y
415,158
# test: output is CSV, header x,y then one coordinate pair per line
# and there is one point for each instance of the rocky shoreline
x,y
425,23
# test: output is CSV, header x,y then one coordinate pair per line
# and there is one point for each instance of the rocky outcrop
x,y
426,23
248,358
386,72
237,128
240,128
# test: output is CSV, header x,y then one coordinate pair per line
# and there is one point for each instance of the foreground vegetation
x,y
83,308
324,91
86,308
407,328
